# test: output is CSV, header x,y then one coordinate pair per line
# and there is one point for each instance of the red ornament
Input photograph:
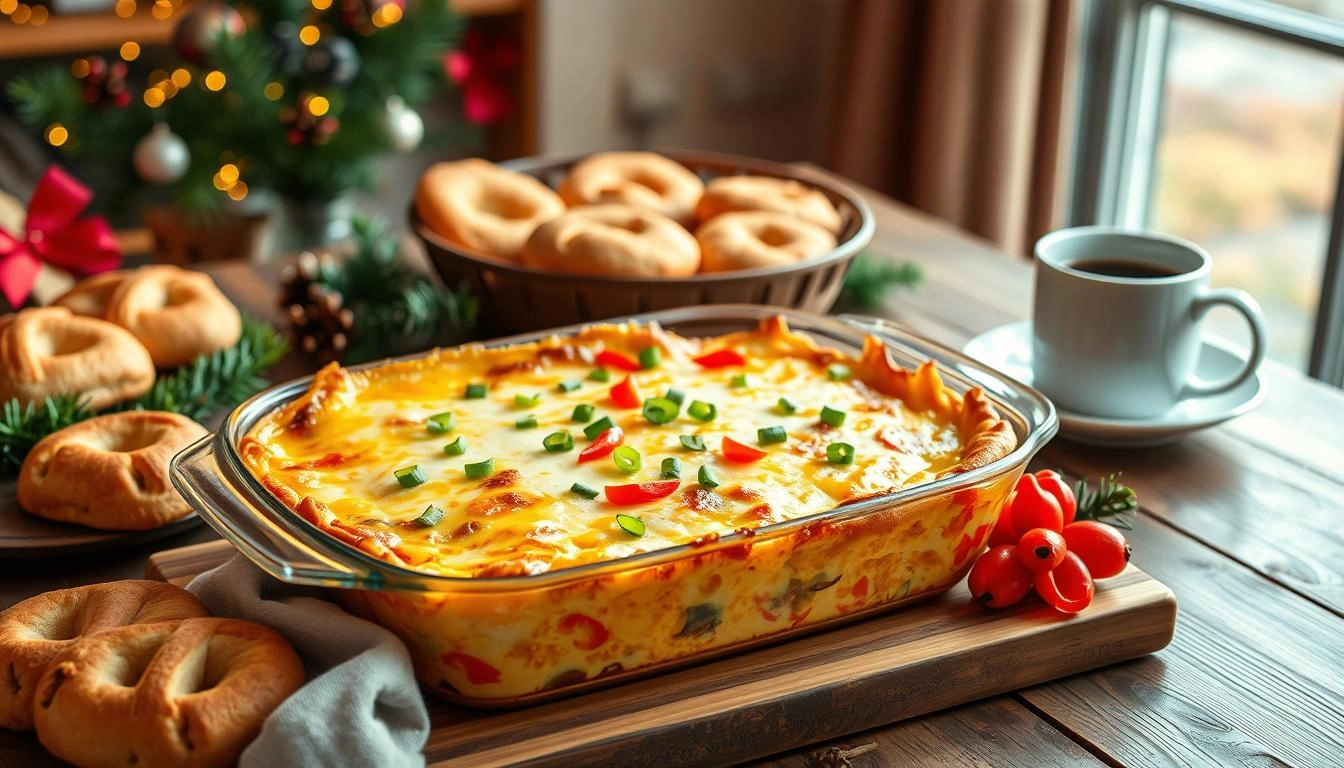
x,y
54,233
482,68
104,85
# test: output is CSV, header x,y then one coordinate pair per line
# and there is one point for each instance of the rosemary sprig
x,y
218,380
869,279
22,426
1111,502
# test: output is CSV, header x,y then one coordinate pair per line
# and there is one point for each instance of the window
x,y
1223,122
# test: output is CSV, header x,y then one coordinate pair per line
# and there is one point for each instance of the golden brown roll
x,y
727,194
188,693
752,239
48,351
90,296
613,240
642,179
32,632
478,205
178,314
109,472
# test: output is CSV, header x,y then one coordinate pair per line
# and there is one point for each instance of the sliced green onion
x,y
599,374
475,391
786,406
569,385
527,401
840,453
627,459
411,476
671,468
479,469
832,416
702,411
676,396
457,447
429,518
584,491
582,412
631,525
440,423
739,380
558,442
598,427
660,410
706,477
771,435
527,422
649,357
692,442
838,372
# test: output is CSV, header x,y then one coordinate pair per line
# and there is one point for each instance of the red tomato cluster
x,y
1037,544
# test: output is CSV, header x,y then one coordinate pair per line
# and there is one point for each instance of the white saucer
x,y
1008,348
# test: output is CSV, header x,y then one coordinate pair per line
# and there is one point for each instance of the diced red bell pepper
x,y
613,359
721,358
625,394
603,445
639,493
740,453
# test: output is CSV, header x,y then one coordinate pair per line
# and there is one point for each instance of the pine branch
x,y
1111,502
219,380
22,426
869,280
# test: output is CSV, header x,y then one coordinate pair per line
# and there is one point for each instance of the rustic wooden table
x,y
1242,521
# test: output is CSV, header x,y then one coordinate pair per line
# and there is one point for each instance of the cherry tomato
x,y
613,359
1068,588
1102,547
603,445
1053,484
639,493
721,358
625,395
1041,549
1003,532
1034,508
742,454
998,579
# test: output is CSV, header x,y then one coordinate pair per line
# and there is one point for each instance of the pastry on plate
x,y
49,351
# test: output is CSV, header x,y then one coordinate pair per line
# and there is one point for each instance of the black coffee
x,y
1120,268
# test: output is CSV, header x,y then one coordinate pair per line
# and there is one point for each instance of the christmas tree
x,y
299,97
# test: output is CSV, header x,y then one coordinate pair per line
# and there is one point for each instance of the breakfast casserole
x,y
500,464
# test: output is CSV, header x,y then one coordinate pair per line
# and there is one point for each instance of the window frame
x,y
1122,74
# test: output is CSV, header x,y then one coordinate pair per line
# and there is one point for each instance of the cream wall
x,y
747,74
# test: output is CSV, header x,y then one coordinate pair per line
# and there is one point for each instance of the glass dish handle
x,y
269,543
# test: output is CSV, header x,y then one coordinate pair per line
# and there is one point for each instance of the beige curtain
x,y
958,107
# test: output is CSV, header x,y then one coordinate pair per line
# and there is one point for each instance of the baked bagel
x,y
641,179
109,472
188,693
91,296
613,240
751,239
48,351
178,314
478,205
727,194
32,632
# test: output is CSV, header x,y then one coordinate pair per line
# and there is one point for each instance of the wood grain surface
x,y
934,655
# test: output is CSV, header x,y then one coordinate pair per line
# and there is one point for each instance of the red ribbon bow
x,y
54,233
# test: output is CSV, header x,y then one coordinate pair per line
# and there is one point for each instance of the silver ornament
x,y
161,157
402,125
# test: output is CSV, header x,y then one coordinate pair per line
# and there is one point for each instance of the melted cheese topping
x,y
341,444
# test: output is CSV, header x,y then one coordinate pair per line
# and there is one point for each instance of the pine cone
x,y
320,324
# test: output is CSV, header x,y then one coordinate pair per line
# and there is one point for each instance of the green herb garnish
x,y
440,423
527,422
692,442
627,459
457,447
840,453
706,477
569,385
771,435
479,469
671,469
631,525
1111,502
702,411
676,396
527,401
786,407
582,412
584,491
592,431
739,380
409,477
660,410
832,416
838,372
599,374
475,391
649,357
558,442
429,518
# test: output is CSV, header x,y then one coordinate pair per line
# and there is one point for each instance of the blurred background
x,y
1215,121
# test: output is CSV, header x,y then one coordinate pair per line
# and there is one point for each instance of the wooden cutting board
x,y
933,655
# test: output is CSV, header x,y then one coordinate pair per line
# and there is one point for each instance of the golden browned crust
x,y
109,472
727,194
90,296
752,239
642,179
985,437
613,239
34,631
49,351
476,204
188,693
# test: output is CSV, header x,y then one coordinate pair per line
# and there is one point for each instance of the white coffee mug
x,y
1116,322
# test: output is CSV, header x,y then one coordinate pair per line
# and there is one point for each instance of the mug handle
x,y
1249,309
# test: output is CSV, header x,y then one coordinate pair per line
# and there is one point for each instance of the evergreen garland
x,y
869,280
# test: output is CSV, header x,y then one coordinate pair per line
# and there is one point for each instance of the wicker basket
x,y
517,299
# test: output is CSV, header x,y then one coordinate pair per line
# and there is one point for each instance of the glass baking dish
x,y
519,639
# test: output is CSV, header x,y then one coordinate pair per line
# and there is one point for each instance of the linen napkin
x,y
361,705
